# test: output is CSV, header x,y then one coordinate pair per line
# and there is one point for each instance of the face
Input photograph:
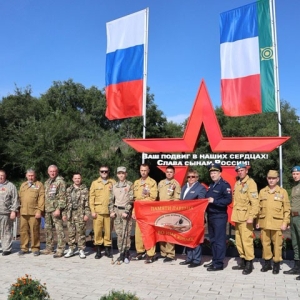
x,y
144,172
77,179
121,176
192,178
104,172
52,172
2,177
30,176
272,181
242,172
169,174
215,175
296,176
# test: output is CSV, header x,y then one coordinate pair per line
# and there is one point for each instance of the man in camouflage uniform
x,y
55,203
120,205
77,213
144,189
168,190
99,200
295,222
32,199
274,217
9,205
245,209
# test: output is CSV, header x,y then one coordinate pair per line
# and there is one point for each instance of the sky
x,y
49,40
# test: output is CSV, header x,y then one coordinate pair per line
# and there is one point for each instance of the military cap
x,y
214,167
240,166
296,169
121,169
273,174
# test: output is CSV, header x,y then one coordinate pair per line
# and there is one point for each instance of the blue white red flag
x,y
125,57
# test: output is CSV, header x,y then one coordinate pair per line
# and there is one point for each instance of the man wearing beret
x,y
192,190
273,218
295,221
245,209
219,197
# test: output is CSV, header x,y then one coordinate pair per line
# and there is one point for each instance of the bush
x,y
117,295
27,288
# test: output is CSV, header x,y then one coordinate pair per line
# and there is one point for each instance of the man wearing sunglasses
x,y
190,191
99,200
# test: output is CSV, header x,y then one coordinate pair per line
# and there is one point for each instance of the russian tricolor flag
x,y
247,60
125,66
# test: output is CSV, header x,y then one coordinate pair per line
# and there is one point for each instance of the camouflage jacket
x,y
55,194
121,195
77,199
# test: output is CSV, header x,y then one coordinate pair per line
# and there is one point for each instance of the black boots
x,y
98,252
107,252
248,267
276,267
295,270
267,266
241,266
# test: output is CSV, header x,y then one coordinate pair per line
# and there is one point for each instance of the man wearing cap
x,y
120,206
219,197
273,218
245,209
192,190
144,189
295,221
99,200
168,190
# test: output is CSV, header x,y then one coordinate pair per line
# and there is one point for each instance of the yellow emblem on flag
x,y
266,53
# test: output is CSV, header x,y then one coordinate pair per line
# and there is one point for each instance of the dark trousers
x,y
217,237
194,254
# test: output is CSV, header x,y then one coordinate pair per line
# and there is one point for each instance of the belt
x,y
119,207
295,213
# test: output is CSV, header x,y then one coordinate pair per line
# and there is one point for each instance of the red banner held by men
x,y
178,222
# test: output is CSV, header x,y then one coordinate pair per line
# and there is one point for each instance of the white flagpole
x,y
145,75
276,76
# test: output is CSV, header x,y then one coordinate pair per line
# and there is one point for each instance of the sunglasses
x,y
191,177
103,171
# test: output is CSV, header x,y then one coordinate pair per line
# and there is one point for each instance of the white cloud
x,y
178,118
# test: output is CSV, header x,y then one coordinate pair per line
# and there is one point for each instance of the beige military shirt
x,y
168,190
274,208
245,200
32,198
99,195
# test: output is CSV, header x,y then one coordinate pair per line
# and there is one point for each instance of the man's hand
x,y
283,227
133,217
210,200
65,218
12,215
249,221
38,215
85,218
113,215
257,226
94,215
124,215
56,213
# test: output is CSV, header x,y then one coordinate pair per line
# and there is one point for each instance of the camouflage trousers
x,y
123,230
6,235
50,220
76,225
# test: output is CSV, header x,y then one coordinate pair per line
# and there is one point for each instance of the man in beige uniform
x,y
32,199
99,200
168,190
274,216
245,209
144,189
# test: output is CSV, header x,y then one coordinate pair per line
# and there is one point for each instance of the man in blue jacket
x,y
219,197
190,191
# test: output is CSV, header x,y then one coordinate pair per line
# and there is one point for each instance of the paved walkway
x,y
89,279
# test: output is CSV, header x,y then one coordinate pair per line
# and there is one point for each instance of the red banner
x,y
178,222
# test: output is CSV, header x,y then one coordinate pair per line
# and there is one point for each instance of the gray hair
x,y
30,170
53,166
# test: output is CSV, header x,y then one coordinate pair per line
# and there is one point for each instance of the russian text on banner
x,y
125,66
178,222
247,60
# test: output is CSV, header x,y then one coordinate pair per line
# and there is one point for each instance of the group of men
x,y
108,201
